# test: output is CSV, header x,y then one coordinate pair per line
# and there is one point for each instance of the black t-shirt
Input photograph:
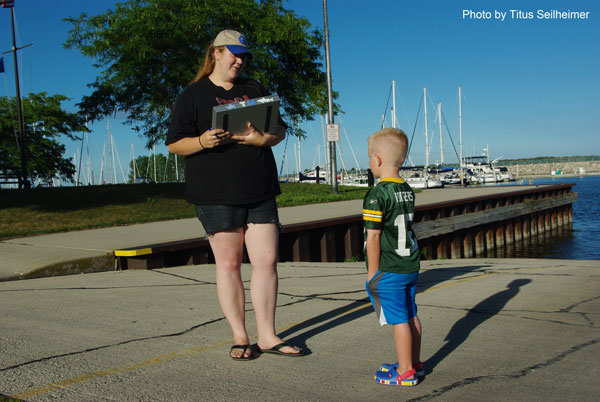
x,y
230,174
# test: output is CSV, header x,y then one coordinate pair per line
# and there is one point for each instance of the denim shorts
x,y
217,218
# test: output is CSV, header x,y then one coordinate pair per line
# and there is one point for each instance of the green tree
x,y
149,50
166,169
45,121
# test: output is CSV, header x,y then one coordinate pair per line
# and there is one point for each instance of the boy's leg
x,y
416,332
404,347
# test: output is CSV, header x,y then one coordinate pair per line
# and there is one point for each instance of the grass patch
x,y
4,398
51,210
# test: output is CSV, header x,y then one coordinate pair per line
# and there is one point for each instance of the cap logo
x,y
242,40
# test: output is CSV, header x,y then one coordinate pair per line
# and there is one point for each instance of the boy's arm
x,y
373,251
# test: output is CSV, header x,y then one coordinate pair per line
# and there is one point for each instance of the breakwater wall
x,y
535,169
461,227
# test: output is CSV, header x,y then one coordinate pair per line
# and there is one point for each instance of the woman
x,y
232,180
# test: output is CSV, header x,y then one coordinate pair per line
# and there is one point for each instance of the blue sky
x,y
530,86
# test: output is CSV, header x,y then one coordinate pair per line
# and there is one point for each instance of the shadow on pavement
x,y
360,308
476,316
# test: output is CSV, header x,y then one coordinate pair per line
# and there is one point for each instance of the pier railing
x,y
461,228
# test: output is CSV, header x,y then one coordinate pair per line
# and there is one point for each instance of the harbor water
x,y
580,243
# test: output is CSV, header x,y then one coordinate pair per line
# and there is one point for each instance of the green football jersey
x,y
390,207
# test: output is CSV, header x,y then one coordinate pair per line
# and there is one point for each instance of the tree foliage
x,y
149,50
45,121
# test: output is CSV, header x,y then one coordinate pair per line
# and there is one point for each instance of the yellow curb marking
x,y
133,253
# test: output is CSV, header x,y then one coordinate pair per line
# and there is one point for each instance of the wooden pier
x,y
459,228
478,226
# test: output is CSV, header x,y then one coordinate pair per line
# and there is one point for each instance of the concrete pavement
x,y
494,330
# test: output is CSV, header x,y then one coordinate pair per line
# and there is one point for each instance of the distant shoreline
x,y
552,176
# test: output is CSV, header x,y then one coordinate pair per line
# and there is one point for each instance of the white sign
x,y
333,132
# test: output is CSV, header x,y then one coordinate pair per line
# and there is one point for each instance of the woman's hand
x,y
207,140
251,137
213,138
258,139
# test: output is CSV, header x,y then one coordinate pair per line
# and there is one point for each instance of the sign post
x,y
332,156
333,132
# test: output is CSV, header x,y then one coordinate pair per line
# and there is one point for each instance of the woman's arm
x,y
191,145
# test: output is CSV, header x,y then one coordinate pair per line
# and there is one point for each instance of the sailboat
x,y
417,176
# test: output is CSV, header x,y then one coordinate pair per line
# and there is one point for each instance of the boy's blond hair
x,y
391,144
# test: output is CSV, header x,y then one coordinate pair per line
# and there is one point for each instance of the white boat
x,y
482,171
452,178
358,180
416,179
419,182
503,174
316,175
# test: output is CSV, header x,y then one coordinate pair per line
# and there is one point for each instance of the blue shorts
x,y
217,218
393,296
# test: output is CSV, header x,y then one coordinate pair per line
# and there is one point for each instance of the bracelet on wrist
x,y
200,142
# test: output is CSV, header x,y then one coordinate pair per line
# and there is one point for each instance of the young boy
x,y
392,252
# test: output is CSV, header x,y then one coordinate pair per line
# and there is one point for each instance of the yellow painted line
x,y
133,253
453,283
187,352
116,370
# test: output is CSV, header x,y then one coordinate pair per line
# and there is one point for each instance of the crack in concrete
x,y
163,336
504,312
515,375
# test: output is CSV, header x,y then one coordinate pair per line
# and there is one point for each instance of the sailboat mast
x,y
393,104
112,155
460,141
299,160
441,142
133,162
426,138
102,164
80,158
176,169
154,158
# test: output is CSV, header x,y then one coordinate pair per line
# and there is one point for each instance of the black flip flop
x,y
244,348
276,350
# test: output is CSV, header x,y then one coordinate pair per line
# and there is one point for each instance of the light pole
x,y
23,181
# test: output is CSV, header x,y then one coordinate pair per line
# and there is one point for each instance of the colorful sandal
x,y
393,378
418,368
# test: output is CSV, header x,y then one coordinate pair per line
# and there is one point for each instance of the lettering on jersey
x,y
404,196
226,101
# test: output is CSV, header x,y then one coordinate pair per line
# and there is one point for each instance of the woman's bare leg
x,y
227,248
262,244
